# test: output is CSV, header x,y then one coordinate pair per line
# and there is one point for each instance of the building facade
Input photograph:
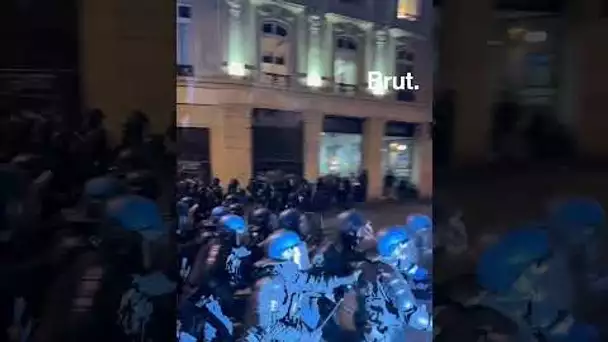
x,y
268,85
545,54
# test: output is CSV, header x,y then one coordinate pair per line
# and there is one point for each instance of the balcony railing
x,y
185,70
276,80
346,89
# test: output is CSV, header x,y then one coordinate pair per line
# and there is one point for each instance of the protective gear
x,y
388,304
98,191
395,247
234,224
292,219
280,242
577,221
263,222
218,212
231,199
184,217
140,216
520,273
102,188
236,209
502,264
285,306
353,228
421,228
143,183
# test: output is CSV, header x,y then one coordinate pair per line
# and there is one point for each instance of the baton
x,y
330,315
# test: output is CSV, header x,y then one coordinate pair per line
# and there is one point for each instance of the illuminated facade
x,y
282,84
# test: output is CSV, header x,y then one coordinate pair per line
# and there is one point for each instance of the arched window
x,y
404,65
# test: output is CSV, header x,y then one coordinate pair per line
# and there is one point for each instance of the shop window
x,y
397,156
340,154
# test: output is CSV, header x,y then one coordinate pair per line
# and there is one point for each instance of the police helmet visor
x,y
299,256
405,251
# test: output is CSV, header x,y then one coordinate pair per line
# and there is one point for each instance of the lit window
x,y
184,17
408,9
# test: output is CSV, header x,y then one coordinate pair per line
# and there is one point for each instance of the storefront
x,y
277,141
398,149
341,146
193,157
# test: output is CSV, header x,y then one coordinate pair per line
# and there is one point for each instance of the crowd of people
x,y
268,273
84,240
90,235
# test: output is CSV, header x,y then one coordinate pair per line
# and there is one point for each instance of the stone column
x,y
235,43
313,127
373,132
231,143
423,161
464,65
315,69
380,51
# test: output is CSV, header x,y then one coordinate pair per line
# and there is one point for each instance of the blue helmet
x,y
280,241
102,188
218,212
418,222
503,263
389,239
233,223
137,214
572,217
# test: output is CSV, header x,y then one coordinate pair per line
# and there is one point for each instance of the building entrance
x,y
277,141
193,157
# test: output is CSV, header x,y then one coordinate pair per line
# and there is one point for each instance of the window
x,y
184,17
405,65
539,71
408,9
275,51
274,29
346,43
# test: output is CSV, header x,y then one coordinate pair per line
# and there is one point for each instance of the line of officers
x,y
283,276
